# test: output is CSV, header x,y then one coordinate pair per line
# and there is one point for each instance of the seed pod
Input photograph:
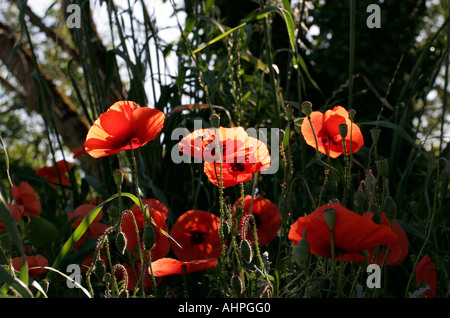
x,y
343,130
289,111
149,237
214,120
246,251
330,217
121,242
307,108
382,166
118,177
375,134
351,114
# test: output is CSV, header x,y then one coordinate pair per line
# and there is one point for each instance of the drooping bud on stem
x,y
149,237
302,253
246,251
99,269
121,242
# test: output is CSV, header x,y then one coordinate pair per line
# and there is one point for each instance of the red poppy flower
x,y
267,217
242,155
201,144
256,159
398,250
26,199
159,213
16,212
353,233
52,173
94,231
426,276
326,129
170,266
198,234
122,126
32,261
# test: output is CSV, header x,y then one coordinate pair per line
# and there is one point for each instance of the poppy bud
x,y
149,237
375,132
118,177
376,213
359,200
99,269
343,130
246,251
307,108
370,185
390,208
351,114
330,217
289,111
302,253
237,284
121,242
214,120
382,167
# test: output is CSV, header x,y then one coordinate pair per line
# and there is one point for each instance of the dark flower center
x,y
237,167
197,237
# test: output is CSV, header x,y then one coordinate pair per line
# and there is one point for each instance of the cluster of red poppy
x,y
194,238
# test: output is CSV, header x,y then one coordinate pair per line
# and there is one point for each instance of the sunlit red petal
x,y
80,212
170,266
353,233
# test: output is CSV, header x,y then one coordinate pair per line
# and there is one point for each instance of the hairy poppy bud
x,y
246,251
382,166
343,130
302,253
214,120
237,284
330,218
121,242
99,269
390,208
149,237
359,200
376,213
307,108
370,183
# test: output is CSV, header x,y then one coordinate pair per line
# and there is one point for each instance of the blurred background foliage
x,y
55,81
